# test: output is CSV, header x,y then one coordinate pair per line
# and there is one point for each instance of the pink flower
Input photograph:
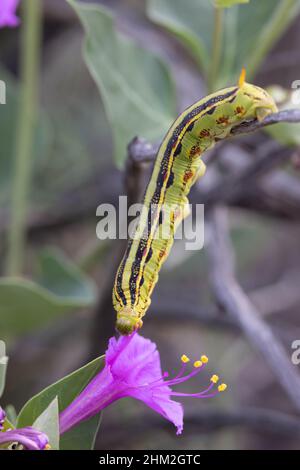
x,y
2,418
132,369
8,13
29,438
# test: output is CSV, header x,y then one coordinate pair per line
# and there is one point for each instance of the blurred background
x,y
144,62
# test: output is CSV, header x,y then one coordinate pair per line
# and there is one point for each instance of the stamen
x,y
181,371
196,395
197,364
47,447
222,387
185,377
161,380
214,379
185,359
180,378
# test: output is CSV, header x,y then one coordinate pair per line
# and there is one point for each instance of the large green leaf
x,y
60,288
191,21
80,146
48,422
8,123
66,389
248,28
135,85
3,366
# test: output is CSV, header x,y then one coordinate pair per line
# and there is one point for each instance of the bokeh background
x,y
57,314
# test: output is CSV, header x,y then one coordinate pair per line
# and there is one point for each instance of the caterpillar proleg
x,y
178,165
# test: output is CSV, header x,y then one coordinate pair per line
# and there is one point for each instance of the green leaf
x,y
228,3
61,288
48,422
135,85
66,389
191,21
78,122
285,133
11,414
250,30
3,366
8,120
279,16
63,278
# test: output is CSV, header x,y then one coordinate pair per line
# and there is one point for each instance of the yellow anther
x,y
204,359
222,387
185,359
214,379
197,364
47,447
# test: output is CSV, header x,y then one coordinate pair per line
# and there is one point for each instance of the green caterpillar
x,y
178,165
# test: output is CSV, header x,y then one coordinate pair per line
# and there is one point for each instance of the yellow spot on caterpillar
x,y
239,110
224,120
185,359
197,364
242,77
188,175
204,359
195,150
204,133
222,387
214,379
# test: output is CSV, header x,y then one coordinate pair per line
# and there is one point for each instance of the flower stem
x,y
216,48
272,31
30,52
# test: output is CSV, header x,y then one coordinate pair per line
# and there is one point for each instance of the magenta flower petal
x,y
2,418
30,438
8,13
132,369
133,359
162,404
98,394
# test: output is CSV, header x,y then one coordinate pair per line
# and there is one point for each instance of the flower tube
x,y
132,369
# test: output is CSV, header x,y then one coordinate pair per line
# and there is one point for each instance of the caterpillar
x,y
178,165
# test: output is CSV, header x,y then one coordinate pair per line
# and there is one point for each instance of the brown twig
x,y
236,304
144,152
275,193
233,187
289,115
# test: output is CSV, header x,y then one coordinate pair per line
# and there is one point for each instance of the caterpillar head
x,y
258,103
128,321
